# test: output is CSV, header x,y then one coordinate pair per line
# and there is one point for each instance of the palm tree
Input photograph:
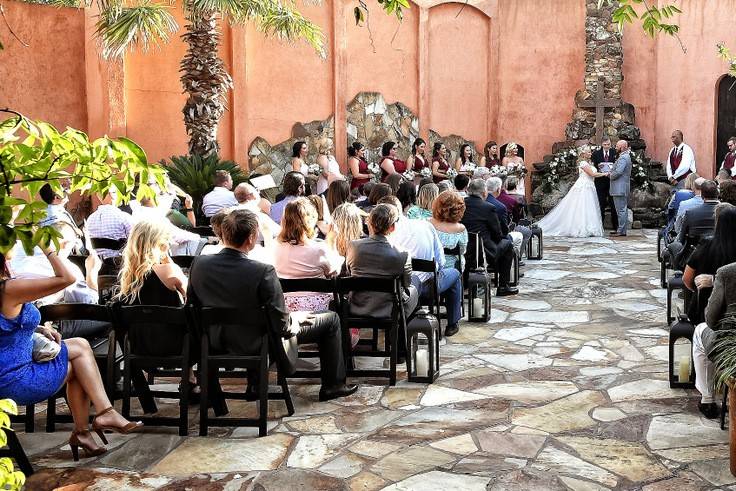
x,y
203,73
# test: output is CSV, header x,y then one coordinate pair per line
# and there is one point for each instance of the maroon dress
x,y
399,166
362,169
419,164
442,167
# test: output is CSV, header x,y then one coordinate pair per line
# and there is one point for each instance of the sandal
x,y
89,450
123,430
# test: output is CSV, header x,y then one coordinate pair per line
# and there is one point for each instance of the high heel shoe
x,y
123,430
89,450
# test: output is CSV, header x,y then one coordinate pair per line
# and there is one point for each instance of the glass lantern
x,y
681,368
423,362
535,247
479,297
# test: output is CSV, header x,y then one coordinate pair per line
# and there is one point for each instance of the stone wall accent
x,y
276,160
373,122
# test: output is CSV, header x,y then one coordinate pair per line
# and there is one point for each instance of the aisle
x,y
565,388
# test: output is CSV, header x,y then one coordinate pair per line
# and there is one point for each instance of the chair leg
x,y
263,401
393,334
204,381
17,452
669,305
663,274
724,407
29,419
184,394
287,395
51,414
126,387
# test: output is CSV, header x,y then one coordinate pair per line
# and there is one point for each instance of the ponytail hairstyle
x,y
386,148
355,148
296,149
417,143
436,149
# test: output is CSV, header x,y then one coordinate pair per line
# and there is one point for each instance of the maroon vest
x,y
729,161
675,159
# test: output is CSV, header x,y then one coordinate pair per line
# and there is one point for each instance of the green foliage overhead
x,y
33,153
195,175
10,479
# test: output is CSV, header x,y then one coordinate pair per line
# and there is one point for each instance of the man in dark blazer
x,y
230,279
480,218
700,221
604,159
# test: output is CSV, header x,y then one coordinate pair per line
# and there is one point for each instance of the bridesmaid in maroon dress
x,y
490,155
390,164
439,162
357,165
418,159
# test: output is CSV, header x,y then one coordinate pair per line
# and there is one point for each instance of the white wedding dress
x,y
578,214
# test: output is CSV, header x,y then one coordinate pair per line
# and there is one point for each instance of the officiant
x,y
603,159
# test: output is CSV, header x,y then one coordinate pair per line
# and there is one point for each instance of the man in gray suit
x,y
375,257
621,186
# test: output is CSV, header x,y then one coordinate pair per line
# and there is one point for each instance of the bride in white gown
x,y
578,214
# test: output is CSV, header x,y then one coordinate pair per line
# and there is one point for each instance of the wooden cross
x,y
600,103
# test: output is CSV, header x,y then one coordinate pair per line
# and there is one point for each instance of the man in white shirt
x,y
680,161
420,239
220,197
56,212
109,222
249,199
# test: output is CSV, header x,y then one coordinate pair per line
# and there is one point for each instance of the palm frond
x,y
122,27
274,17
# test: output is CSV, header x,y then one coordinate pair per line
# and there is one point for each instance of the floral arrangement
x,y
375,169
426,173
409,175
498,171
639,172
468,167
314,169
10,479
451,174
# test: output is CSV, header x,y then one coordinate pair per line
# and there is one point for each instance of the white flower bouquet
x,y
451,173
468,167
409,175
374,169
426,172
314,169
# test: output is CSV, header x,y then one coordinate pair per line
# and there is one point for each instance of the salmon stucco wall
x,y
501,69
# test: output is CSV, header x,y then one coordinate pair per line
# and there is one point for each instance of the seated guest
x,y
461,182
700,220
347,226
249,199
362,201
182,241
727,192
247,195
708,256
723,176
380,190
687,204
445,185
231,279
324,220
375,257
520,235
298,255
481,173
337,193
216,223
293,188
681,195
407,195
394,181
56,212
481,218
221,195
109,222
420,238
26,381
720,303
513,202
447,211
423,208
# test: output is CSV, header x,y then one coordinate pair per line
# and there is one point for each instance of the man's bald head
x,y
622,146
677,137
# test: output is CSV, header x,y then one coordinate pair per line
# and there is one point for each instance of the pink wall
x,y
504,69
45,80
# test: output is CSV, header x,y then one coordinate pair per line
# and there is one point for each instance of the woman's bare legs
x,y
78,403
86,375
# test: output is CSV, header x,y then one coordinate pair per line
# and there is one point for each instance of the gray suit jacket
x,y
724,294
375,257
621,175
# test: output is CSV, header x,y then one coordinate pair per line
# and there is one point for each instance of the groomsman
x,y
680,161
603,160
729,162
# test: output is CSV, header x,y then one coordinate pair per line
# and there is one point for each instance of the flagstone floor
x,y
565,388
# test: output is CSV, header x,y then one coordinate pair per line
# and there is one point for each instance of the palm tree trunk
x,y
206,82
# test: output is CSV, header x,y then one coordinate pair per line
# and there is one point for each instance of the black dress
x,y
157,339
703,261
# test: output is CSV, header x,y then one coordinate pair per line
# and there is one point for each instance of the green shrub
x,y
195,175
10,479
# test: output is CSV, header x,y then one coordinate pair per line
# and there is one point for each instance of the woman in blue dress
x,y
29,382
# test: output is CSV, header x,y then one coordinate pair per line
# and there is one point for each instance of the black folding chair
x,y
138,324
224,320
15,451
427,266
107,285
203,231
110,265
393,326
65,312
455,252
183,261
316,285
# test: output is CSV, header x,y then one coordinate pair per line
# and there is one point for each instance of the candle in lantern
x,y
478,307
422,362
684,370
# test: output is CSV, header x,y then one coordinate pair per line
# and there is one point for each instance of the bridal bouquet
x,y
498,170
426,173
314,169
468,167
409,175
518,171
451,173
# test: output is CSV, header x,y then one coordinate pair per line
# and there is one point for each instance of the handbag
x,y
44,349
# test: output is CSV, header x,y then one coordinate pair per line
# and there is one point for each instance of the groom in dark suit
x,y
603,160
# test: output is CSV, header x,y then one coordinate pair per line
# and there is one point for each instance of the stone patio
x,y
565,388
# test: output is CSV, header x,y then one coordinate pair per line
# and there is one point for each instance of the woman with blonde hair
x,y
423,209
347,226
298,255
514,163
578,214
